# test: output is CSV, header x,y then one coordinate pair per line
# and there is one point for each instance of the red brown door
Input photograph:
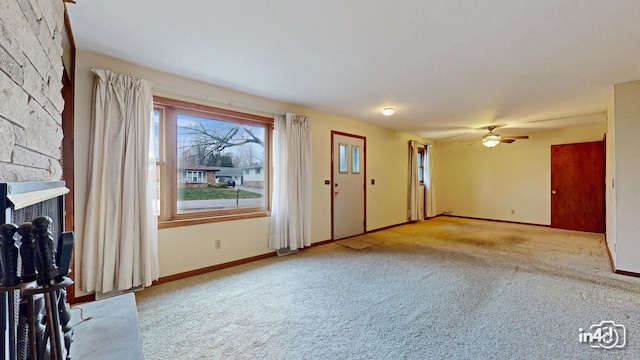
x,y
577,186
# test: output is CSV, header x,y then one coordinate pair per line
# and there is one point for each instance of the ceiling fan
x,y
492,139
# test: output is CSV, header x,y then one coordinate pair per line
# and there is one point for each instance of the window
x,y
198,143
194,177
421,164
157,134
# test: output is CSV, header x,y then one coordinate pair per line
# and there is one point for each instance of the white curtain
x,y
413,193
429,189
291,209
119,244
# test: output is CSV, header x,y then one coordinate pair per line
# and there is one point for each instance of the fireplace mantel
x,y
25,199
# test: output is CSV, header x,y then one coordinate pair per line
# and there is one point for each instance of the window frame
x,y
421,155
167,160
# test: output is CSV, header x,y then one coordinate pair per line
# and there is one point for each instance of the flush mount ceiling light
x,y
388,111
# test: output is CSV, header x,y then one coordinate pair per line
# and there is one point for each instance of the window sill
x,y
211,219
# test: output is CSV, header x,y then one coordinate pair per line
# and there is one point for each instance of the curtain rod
x,y
419,143
217,100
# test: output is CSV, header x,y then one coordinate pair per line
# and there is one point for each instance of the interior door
x,y
577,186
347,185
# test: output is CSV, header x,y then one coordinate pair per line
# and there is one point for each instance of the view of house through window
x,y
218,152
195,177
215,160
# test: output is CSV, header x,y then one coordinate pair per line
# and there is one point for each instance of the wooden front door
x,y
577,186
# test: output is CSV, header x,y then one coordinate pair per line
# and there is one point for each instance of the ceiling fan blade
x,y
516,137
507,141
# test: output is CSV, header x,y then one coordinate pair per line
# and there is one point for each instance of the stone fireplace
x,y
37,52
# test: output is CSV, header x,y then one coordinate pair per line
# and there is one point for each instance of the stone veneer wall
x,y
31,103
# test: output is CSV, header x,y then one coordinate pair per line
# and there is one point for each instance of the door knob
x,y
553,192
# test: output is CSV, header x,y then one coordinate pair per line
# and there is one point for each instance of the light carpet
x,y
359,242
446,288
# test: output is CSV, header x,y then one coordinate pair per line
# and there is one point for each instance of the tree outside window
x,y
199,145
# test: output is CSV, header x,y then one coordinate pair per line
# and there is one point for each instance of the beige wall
x,y
624,127
479,182
189,248
610,194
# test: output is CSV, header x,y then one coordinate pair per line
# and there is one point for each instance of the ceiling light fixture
x,y
388,111
491,139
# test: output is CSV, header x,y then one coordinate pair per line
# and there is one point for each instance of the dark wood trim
x,y
221,114
606,245
320,243
67,155
364,185
604,188
82,299
627,273
372,231
391,226
333,156
67,26
187,274
502,221
210,219
68,149
209,269
364,173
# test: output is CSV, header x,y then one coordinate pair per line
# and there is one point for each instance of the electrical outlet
x,y
218,244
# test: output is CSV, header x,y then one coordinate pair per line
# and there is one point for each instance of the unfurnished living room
x,y
319,180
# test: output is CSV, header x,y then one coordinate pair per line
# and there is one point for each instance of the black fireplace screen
x,y
51,207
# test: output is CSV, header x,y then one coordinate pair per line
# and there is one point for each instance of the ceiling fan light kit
x,y
492,139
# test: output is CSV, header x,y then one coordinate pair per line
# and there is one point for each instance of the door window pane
x,y
343,158
355,159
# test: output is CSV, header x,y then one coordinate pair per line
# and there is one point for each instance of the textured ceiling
x,y
449,68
